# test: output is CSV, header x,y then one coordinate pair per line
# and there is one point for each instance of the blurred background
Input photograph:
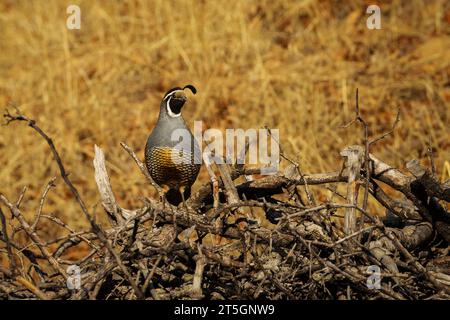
x,y
292,65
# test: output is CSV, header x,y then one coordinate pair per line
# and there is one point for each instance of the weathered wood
x,y
430,182
353,164
306,249
104,187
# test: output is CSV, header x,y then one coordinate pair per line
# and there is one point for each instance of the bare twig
x,y
73,189
5,237
141,167
49,185
32,234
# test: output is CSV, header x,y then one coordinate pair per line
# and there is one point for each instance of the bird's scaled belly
x,y
172,168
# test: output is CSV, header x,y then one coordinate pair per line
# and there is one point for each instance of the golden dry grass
x,y
292,65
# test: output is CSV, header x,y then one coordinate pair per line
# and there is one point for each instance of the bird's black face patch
x,y
175,98
175,104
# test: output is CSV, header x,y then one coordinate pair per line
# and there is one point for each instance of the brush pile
x,y
215,246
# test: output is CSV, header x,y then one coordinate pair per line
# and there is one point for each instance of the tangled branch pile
x,y
216,248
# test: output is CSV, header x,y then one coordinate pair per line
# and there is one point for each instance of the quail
x,y
172,155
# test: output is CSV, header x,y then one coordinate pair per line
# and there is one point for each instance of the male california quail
x,y
172,154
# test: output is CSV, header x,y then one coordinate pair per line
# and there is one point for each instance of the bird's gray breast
x,y
173,133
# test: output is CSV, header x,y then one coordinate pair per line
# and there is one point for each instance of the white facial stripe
x,y
170,94
171,114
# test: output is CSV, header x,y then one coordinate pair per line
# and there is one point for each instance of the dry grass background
x,y
292,65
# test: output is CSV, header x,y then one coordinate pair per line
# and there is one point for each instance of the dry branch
x,y
159,251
